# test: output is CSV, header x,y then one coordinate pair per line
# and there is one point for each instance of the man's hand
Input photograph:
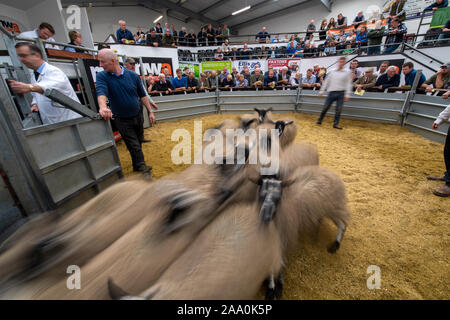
x,y
346,98
154,106
429,89
19,87
34,108
105,113
320,94
445,95
435,126
152,117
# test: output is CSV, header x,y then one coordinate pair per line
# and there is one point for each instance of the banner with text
x,y
251,64
194,67
216,65
276,64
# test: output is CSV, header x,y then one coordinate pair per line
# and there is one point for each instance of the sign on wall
x,y
154,66
215,65
251,64
11,24
194,67
276,64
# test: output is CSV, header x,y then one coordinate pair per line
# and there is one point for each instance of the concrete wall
x,y
49,11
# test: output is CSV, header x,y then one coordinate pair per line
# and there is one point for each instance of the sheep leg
x,y
336,244
279,285
270,293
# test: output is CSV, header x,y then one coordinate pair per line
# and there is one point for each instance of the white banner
x,y
251,64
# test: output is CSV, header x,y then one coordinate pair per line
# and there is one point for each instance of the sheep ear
x,y
257,110
288,122
270,109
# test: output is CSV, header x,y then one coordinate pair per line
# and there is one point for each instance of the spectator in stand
x,y
203,83
273,53
179,83
445,34
223,74
234,54
390,79
241,81
341,21
283,76
151,85
246,52
410,75
396,10
210,35
355,71
202,37
75,40
263,35
153,39
167,75
366,81
276,39
309,51
234,72
45,31
440,80
267,72
225,32
383,68
166,27
212,79
339,86
295,79
257,80
394,36
246,73
123,34
182,37
191,39
323,30
174,33
322,76
358,19
285,38
218,56
361,38
375,36
228,81
226,47
310,28
330,46
219,37
158,29
309,80
291,48
186,71
331,24
168,39
192,82
437,5
341,40
271,79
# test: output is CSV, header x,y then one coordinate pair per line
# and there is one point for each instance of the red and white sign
x,y
11,25
279,63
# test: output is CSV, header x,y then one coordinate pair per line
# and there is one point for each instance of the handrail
x,y
423,53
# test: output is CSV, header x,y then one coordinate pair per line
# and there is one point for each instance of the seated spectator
x,y
192,82
166,27
309,80
383,68
445,34
167,74
394,36
203,83
158,29
309,50
182,37
142,39
410,75
123,35
257,80
225,32
273,53
438,4
390,79
440,80
163,85
168,39
212,79
174,33
262,35
356,72
310,28
271,79
291,47
223,74
323,30
285,38
283,76
226,46
358,19
366,81
295,79
241,81
202,35
396,10
264,52
331,24
276,39
153,39
75,40
246,52
219,37
361,37
151,85
341,40
349,49
210,35
246,73
267,72
375,36
179,83
234,72
316,70
330,47
130,64
322,76
341,21
186,71
45,31
234,54
228,81
191,39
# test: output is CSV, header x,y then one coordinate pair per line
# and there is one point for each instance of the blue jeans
x,y
443,36
390,48
337,96
374,50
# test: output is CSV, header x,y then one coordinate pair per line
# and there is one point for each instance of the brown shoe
x,y
435,178
337,127
443,191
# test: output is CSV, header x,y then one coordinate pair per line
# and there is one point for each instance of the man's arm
x,y
146,103
443,116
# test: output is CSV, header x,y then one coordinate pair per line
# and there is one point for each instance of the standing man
x,y
339,86
125,93
394,35
45,31
45,77
396,10
443,191
123,34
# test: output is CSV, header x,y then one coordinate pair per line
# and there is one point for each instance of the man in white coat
x,y
45,77
45,31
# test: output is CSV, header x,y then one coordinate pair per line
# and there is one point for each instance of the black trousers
x,y
337,96
131,130
447,158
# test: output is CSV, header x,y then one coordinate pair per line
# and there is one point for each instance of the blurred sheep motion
x,y
212,231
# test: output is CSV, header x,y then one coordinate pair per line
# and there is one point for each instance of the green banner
x,y
440,17
216,65
194,67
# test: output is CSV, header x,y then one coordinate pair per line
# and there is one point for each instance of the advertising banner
x,y
215,65
251,64
292,64
194,67
11,25
351,29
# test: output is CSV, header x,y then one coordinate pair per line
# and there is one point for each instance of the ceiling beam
x,y
327,4
281,11
209,8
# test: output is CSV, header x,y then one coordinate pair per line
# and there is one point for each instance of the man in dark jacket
x,y
375,37
396,10
153,39
394,36
163,84
390,79
192,82
437,5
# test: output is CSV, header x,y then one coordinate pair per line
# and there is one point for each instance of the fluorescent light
x,y
241,10
157,19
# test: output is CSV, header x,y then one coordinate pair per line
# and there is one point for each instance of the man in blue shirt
x,y
437,5
125,93
262,35
123,33
271,79
179,83
410,74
